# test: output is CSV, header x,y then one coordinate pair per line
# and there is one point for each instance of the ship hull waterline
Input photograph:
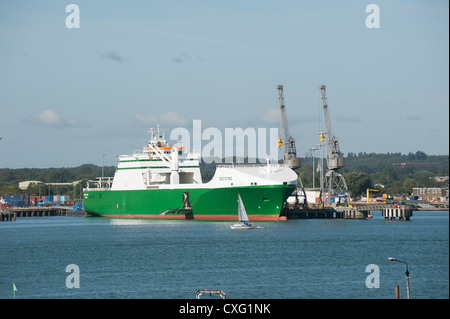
x,y
263,203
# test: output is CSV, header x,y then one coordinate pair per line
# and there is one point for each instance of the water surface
x,y
301,259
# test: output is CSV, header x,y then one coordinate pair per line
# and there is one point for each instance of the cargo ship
x,y
163,182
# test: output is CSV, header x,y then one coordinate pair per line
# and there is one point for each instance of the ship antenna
x,y
152,134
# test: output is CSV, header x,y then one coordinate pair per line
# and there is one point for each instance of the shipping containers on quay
x,y
16,200
33,200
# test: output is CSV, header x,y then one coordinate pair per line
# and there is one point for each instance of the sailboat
x,y
243,218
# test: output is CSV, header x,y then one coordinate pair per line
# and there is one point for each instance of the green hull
x,y
261,202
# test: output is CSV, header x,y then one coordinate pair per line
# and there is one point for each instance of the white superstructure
x,y
160,166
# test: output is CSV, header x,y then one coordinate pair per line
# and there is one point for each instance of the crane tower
x,y
334,181
287,141
289,150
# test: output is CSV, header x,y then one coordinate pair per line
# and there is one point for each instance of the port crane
x,y
289,149
286,140
334,181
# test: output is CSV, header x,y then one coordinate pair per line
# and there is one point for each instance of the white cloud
x,y
271,116
141,118
50,118
169,119
172,118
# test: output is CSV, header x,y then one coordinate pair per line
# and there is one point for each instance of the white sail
x,y
242,213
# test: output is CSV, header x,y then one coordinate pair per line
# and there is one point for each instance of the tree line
x,y
10,179
361,171
391,173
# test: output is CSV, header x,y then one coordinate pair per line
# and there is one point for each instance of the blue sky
x,y
69,95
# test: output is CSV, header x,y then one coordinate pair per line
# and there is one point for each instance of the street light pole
x,y
103,164
321,139
406,273
312,152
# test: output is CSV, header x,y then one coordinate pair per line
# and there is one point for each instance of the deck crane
x,y
334,181
289,150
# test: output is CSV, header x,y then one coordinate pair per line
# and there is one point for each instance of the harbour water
x,y
294,259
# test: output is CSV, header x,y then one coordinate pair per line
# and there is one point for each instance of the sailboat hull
x,y
243,218
241,226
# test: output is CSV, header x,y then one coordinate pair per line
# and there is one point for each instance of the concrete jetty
x,y
355,210
12,213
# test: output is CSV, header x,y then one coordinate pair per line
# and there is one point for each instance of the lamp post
x,y
321,139
406,273
312,152
103,164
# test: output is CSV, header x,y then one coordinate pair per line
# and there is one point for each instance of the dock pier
x,y
352,211
12,213
358,211
7,216
403,213
310,213
388,211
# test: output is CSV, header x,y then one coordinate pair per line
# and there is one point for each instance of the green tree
x,y
358,182
9,190
408,185
305,173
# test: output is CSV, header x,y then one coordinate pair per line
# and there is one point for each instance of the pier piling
x,y
7,216
12,213
402,213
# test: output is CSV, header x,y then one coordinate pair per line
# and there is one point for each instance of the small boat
x,y
243,218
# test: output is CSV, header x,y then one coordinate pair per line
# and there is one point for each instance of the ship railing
x,y
101,183
233,165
